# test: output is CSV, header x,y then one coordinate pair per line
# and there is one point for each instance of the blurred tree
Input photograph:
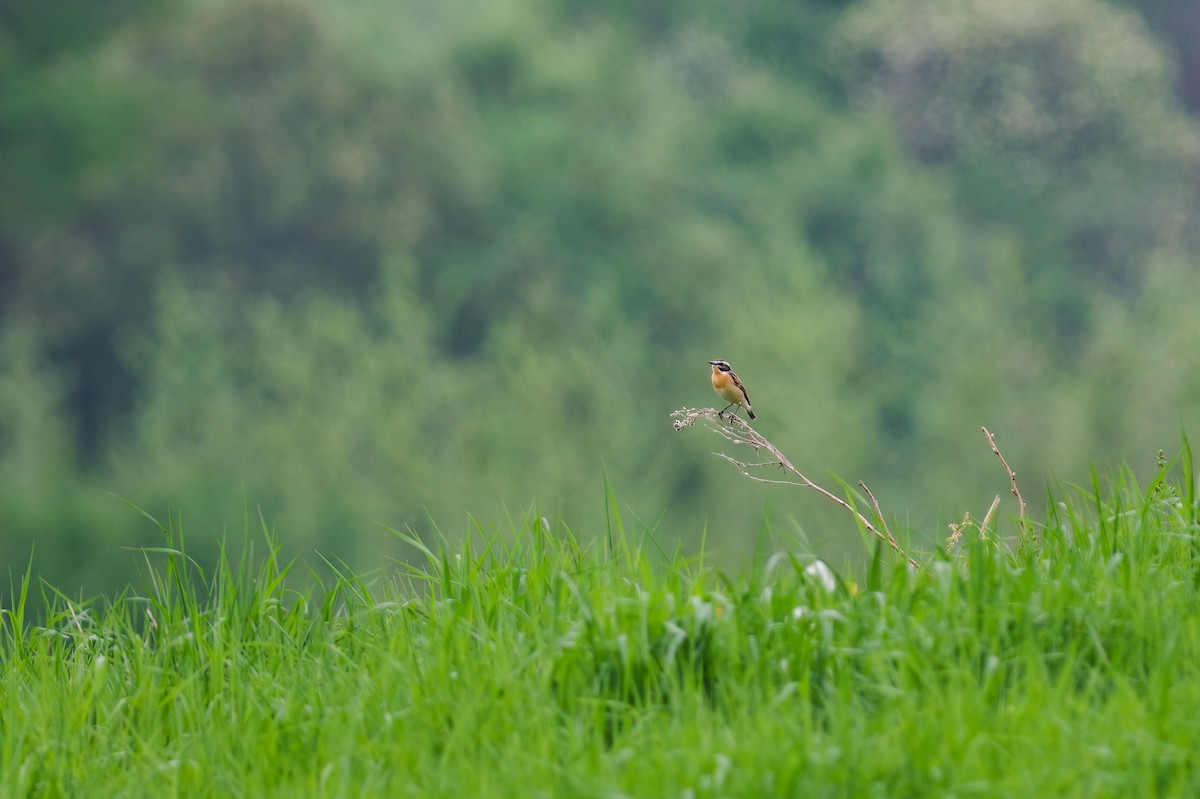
x,y
1182,18
1057,119
1067,168
373,262
1178,21
58,117
268,165
51,95
64,123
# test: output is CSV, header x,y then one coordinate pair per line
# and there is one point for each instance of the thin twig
x,y
738,431
879,515
745,468
1012,478
875,504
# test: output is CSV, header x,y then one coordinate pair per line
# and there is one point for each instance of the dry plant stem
x,y
987,519
738,431
878,513
1012,478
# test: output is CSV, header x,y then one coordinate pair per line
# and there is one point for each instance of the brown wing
x,y
738,383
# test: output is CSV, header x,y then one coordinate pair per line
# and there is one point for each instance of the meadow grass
x,y
524,663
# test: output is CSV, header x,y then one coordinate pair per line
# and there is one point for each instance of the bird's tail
x,y
749,412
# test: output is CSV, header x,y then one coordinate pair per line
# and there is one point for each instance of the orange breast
x,y
725,387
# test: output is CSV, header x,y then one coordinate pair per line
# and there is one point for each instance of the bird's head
x,y
721,366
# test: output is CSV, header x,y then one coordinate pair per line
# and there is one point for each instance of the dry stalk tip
x,y
1012,479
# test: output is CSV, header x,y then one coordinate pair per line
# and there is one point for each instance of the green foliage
x,y
60,116
40,486
362,263
526,661
1043,126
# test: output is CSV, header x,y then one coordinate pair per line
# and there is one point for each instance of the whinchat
x,y
729,388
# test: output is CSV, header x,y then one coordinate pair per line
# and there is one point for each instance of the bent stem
x,y
1016,492
738,431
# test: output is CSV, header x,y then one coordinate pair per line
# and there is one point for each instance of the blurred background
x,y
423,262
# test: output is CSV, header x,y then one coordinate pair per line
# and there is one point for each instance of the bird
x,y
729,388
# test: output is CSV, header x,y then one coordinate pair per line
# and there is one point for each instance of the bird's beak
x,y
712,363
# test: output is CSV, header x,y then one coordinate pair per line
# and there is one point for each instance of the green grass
x,y
527,664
